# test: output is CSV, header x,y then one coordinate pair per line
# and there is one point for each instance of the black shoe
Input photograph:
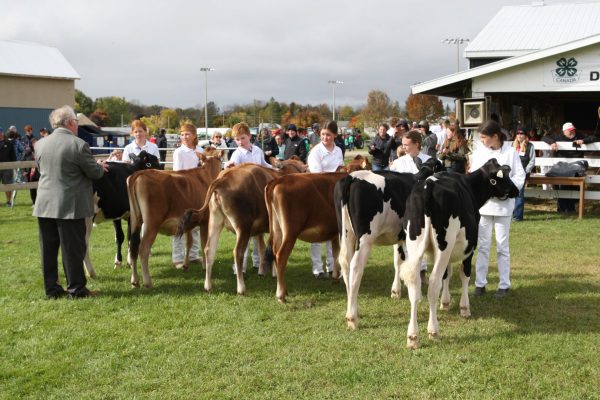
x,y
83,295
320,275
56,295
479,291
501,293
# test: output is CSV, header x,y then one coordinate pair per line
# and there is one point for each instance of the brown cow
x,y
157,199
289,222
235,200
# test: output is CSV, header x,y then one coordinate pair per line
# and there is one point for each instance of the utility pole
x,y
457,42
333,83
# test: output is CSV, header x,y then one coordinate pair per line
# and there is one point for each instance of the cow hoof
x,y
118,264
412,342
434,336
208,290
179,266
281,299
465,312
395,295
352,323
445,306
92,275
135,284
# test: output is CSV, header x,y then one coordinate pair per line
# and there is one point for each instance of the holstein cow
x,y
157,200
112,202
235,200
369,207
314,223
441,220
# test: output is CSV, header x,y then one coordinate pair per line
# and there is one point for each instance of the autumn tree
x,y
153,122
379,107
169,118
83,103
116,108
424,106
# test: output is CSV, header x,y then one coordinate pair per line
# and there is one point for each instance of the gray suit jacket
x,y
67,168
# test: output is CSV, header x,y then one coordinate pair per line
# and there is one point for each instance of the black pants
x,y
566,205
69,236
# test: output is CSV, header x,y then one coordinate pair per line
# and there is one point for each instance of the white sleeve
x,y
154,150
126,151
235,158
517,173
313,161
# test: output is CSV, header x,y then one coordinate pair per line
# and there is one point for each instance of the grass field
x,y
175,341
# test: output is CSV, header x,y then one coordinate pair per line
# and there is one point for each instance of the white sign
x,y
575,70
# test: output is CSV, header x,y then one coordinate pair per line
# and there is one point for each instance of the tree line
x,y
117,111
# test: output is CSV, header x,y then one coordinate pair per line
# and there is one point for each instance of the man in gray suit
x,y
64,200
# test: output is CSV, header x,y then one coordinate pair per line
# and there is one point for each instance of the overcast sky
x,y
152,51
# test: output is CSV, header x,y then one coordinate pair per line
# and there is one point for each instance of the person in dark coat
x,y
295,145
380,149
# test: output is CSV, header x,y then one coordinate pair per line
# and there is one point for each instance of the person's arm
x,y
125,157
88,164
517,173
274,148
177,161
302,153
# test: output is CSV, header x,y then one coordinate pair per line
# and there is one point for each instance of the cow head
x,y
500,184
358,163
293,165
144,161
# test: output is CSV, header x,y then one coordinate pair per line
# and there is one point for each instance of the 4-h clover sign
x,y
566,71
566,67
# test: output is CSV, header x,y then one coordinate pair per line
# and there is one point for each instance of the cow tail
x,y
269,255
135,218
189,220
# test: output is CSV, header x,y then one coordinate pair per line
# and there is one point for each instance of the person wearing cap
x,y
294,144
569,134
526,152
7,154
400,130
430,142
315,137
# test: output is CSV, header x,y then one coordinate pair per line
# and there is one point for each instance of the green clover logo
x,y
566,67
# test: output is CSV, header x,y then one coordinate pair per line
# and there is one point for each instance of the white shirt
x,y
255,156
441,136
322,160
506,155
186,158
133,148
407,164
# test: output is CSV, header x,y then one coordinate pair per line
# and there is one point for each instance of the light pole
x,y
457,42
333,83
206,70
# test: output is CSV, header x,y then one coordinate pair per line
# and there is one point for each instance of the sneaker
x,y
479,291
501,293
320,275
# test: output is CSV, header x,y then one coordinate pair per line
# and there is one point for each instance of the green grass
x,y
175,341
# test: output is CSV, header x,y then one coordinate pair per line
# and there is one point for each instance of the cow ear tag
x,y
500,174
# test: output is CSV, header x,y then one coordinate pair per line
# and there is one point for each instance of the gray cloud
x,y
152,50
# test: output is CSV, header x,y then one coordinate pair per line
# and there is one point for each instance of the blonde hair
x,y
189,127
239,129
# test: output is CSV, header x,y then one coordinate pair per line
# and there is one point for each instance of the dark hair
x,y
331,126
491,128
414,136
386,126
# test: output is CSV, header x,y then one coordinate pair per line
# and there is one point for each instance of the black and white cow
x,y
441,220
112,202
369,207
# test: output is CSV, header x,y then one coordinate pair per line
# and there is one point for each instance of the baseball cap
x,y
292,127
568,126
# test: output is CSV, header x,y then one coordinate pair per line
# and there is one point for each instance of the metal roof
x,y
517,30
32,59
452,85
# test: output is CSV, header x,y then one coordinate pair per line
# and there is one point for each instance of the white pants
x,y
178,245
255,257
501,227
317,262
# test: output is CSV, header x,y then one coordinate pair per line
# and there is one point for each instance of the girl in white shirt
x,y
324,157
186,156
495,213
411,144
139,131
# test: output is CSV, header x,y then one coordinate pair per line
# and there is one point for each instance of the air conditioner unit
x,y
471,112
